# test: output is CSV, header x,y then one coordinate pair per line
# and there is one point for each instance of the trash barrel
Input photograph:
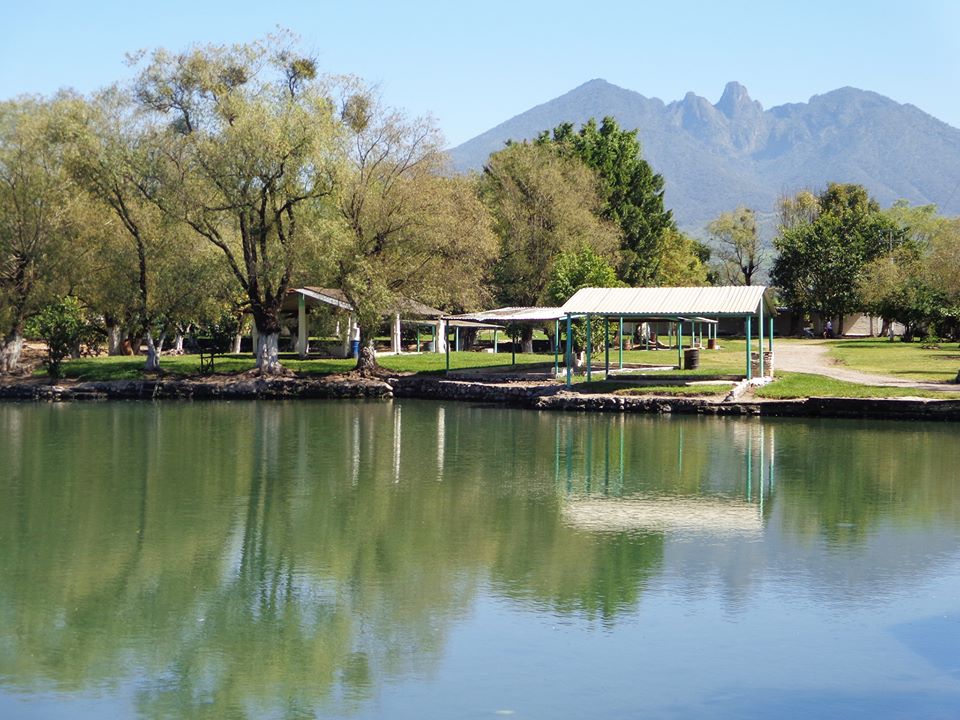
x,y
712,344
355,348
691,358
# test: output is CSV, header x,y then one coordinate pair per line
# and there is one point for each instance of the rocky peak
x,y
736,101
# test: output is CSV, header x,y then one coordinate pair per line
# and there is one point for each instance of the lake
x,y
415,559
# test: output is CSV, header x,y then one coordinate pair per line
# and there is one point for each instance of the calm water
x,y
429,560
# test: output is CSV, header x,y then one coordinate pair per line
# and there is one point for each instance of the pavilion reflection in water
x,y
604,489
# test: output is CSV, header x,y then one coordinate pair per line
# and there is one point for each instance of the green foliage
x,y
543,204
576,270
735,238
631,193
63,326
824,248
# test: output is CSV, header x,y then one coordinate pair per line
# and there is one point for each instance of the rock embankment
x,y
536,396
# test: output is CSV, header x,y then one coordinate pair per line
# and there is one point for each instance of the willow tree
x,y
248,143
37,204
408,231
544,203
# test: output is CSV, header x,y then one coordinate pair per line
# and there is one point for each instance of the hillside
x,y
714,156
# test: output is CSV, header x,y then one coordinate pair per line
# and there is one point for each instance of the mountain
x,y
714,157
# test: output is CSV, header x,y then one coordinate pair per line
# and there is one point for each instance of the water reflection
x,y
286,559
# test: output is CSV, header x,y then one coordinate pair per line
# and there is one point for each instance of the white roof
x,y
677,302
514,314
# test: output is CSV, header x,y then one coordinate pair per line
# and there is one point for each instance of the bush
x,y
63,326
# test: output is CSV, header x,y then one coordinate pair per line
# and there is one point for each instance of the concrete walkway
x,y
811,357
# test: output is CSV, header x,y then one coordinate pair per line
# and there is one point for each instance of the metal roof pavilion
x,y
675,302
678,304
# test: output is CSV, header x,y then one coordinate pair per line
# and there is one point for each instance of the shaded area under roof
x,y
335,297
671,302
513,314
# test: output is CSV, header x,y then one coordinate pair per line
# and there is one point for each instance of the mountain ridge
x,y
715,156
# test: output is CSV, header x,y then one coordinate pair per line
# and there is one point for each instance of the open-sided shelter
x,y
678,304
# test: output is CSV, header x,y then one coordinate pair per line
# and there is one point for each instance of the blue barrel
x,y
355,348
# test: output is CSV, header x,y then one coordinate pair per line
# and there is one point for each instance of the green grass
x,y
131,368
905,360
803,385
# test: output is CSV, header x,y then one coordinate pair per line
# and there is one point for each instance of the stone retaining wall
x,y
544,396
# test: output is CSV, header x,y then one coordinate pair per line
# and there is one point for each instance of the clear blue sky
x,y
474,64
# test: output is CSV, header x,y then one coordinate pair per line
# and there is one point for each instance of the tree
x,y
735,238
63,326
249,158
573,271
631,194
113,162
543,204
37,202
824,247
406,231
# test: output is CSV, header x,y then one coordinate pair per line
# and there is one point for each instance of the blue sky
x,y
473,65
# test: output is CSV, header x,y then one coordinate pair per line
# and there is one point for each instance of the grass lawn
x,y
803,385
620,388
906,360
130,368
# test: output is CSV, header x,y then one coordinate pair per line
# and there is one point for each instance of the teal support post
x,y
770,335
446,344
433,336
494,341
620,343
513,349
760,340
418,338
589,351
569,354
556,348
680,344
749,343
606,348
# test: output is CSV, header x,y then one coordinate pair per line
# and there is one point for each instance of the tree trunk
x,y
153,353
237,339
10,348
268,361
526,339
114,339
178,343
367,361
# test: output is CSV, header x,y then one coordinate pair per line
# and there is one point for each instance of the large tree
x,y
250,154
824,246
408,232
735,238
543,203
631,193
37,223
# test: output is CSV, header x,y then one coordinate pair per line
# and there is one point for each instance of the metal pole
x,y
556,348
749,343
456,338
606,348
760,339
569,353
620,335
418,338
494,341
770,334
680,344
513,349
589,349
446,343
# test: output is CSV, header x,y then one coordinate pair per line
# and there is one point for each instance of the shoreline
x,y
535,396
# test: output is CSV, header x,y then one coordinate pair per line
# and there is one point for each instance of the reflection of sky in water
x,y
438,560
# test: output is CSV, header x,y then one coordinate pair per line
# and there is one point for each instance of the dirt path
x,y
811,357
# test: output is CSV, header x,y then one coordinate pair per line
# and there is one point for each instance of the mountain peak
x,y
735,100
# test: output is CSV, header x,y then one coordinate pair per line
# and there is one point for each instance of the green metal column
x,y
589,350
569,354
513,349
760,339
620,335
749,343
606,348
680,344
446,344
494,341
770,334
418,338
556,348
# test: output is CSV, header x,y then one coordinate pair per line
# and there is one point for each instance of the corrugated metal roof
x,y
733,300
514,314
